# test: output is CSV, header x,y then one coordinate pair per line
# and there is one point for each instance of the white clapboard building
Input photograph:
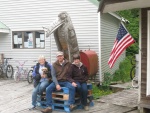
x,y
23,38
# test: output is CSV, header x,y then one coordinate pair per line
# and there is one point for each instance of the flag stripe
x,y
117,44
113,50
123,47
122,41
118,54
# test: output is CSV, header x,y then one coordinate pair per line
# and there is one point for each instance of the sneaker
x,y
32,108
86,108
47,110
72,106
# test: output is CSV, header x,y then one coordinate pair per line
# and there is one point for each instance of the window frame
x,y
23,38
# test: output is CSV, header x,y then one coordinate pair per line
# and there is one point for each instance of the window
x,y
28,39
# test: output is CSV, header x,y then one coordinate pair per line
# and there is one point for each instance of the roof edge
x,y
4,28
103,3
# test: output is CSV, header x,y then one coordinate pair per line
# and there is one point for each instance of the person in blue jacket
x,y
41,79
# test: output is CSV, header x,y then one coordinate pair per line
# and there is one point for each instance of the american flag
x,y
122,41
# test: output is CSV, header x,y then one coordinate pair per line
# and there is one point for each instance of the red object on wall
x,y
90,59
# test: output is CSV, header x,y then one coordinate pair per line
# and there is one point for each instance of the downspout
x,y
50,47
139,75
99,45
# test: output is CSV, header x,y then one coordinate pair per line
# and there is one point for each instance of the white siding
x,y
109,30
33,14
23,15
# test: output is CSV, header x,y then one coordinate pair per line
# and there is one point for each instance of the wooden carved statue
x,y
65,36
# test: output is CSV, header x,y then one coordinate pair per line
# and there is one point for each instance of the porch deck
x,y
16,98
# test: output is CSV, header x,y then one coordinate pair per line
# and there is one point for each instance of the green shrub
x,y
97,92
107,79
123,73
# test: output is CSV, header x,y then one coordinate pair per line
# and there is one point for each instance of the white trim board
x,y
4,31
148,56
140,52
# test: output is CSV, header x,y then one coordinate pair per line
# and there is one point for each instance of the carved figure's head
x,y
63,17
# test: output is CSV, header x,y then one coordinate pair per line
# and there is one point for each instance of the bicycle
x,y
29,77
21,72
134,71
6,68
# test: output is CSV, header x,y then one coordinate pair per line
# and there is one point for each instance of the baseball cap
x,y
59,53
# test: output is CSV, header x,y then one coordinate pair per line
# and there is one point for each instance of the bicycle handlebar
x,y
33,66
22,64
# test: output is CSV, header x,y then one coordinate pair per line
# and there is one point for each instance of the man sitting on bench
x,y
61,67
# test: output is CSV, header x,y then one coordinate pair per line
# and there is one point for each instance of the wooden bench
x,y
60,99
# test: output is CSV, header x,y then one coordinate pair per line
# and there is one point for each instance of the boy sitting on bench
x,y
78,75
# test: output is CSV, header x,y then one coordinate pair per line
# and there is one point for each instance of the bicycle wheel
x,y
29,77
133,61
16,76
135,82
9,71
1,71
132,72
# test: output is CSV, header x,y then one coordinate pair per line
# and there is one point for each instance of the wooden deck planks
x,y
16,98
128,98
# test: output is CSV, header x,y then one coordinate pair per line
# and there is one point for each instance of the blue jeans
x,y
83,91
52,87
38,90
